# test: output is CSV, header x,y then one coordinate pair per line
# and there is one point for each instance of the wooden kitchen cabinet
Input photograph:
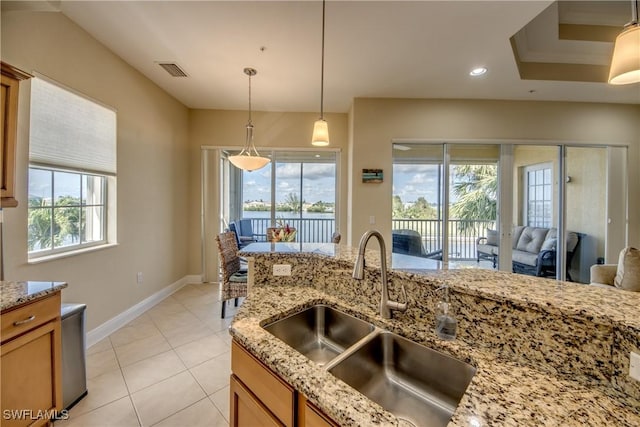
x,y
261,397
267,388
247,409
9,86
310,416
31,363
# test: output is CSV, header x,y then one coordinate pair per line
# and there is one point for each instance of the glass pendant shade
x,y
320,136
625,65
249,159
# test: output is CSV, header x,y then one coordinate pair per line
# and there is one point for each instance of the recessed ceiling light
x,y
477,72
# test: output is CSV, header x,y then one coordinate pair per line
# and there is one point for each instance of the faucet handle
x,y
400,306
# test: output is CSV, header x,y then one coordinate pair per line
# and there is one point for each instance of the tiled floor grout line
x,y
124,379
202,320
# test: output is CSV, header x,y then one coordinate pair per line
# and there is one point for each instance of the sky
x,y
318,183
409,182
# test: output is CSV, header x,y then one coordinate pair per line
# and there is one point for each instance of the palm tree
x,y
293,203
476,188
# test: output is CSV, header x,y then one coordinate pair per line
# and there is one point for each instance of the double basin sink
x,y
417,384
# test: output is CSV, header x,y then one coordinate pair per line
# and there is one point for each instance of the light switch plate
x,y
282,269
634,366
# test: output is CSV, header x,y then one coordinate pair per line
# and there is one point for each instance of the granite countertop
x,y
13,294
502,392
603,305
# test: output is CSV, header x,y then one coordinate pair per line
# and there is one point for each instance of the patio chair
x,y
244,232
234,280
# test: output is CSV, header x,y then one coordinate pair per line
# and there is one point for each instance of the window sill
x,y
53,257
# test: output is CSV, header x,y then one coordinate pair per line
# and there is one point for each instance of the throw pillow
x,y
628,274
549,244
492,237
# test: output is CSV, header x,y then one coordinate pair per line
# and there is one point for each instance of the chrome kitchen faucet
x,y
358,273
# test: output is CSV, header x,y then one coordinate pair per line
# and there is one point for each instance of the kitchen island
x,y
545,352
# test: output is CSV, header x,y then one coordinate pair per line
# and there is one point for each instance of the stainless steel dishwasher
x,y
74,374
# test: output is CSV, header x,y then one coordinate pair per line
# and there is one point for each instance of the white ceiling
x,y
414,49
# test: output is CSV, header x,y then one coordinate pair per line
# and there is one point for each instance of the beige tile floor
x,y
169,367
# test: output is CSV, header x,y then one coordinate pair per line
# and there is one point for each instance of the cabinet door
x,y
310,416
268,388
9,92
30,381
246,409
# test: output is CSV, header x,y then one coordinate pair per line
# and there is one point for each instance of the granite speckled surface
x,y
546,352
13,294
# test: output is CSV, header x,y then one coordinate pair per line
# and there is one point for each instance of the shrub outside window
x,y
66,210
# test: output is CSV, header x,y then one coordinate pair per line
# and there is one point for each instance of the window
x,y
298,188
72,169
538,197
65,209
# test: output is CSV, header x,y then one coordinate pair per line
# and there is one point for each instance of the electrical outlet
x,y
139,278
282,269
634,366
372,219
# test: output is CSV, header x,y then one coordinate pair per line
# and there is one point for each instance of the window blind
x,y
71,131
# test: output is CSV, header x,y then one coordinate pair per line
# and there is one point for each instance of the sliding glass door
x,y
473,204
448,196
444,196
298,189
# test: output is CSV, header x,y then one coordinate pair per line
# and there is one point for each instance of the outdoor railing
x,y
308,230
462,233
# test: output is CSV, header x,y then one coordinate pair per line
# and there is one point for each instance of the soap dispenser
x,y
445,321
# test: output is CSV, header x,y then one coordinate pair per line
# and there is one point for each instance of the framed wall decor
x,y
372,176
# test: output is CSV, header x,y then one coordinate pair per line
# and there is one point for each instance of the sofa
x,y
534,249
624,275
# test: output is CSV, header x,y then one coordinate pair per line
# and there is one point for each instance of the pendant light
x,y
625,64
320,136
249,159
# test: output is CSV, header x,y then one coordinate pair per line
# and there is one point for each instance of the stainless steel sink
x,y
320,332
415,383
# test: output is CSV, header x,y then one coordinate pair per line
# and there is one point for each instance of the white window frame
x,y
535,222
82,160
52,207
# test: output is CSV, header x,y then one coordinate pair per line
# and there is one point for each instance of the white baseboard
x,y
115,323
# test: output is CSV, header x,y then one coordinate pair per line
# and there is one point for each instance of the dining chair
x,y
234,279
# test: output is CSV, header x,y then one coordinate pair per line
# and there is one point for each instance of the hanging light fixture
x,y
320,136
625,64
249,159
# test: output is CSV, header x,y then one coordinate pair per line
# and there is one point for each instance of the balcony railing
x,y
308,230
462,233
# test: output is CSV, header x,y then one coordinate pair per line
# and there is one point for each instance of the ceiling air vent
x,y
173,69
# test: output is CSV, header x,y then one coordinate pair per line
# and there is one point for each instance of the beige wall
x,y
376,122
152,169
587,195
272,130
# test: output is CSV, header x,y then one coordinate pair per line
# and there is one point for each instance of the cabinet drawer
x,y
22,319
273,392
